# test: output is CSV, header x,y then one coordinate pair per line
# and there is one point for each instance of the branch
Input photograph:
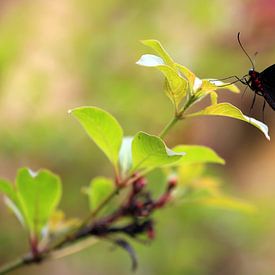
x,y
12,266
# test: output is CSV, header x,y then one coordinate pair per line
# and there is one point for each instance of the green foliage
x,y
100,188
58,225
185,89
197,188
125,155
149,152
176,86
158,48
34,198
228,110
7,189
102,128
38,195
197,154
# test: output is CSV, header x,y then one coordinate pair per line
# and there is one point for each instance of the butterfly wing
x,y
267,79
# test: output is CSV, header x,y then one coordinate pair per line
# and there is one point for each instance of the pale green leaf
x,y
58,225
158,48
11,199
214,98
220,85
125,155
203,87
227,203
102,128
150,151
188,173
100,188
38,195
189,75
208,85
206,191
150,60
174,92
176,85
228,110
15,208
197,154
7,189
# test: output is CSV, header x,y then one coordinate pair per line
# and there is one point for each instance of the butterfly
x,y
261,83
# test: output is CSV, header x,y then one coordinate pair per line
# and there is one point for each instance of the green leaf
x,y
7,189
209,85
158,48
197,154
189,173
206,191
150,60
150,151
214,98
176,85
176,89
59,225
102,128
125,155
190,76
203,87
227,203
220,85
38,195
228,110
100,188
11,199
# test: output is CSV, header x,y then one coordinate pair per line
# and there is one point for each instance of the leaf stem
x,y
167,128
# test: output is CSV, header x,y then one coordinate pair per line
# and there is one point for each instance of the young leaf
x,y
99,190
158,48
228,110
38,195
219,85
58,224
190,76
203,87
102,128
176,85
7,189
197,154
11,199
125,155
149,152
209,85
227,203
150,60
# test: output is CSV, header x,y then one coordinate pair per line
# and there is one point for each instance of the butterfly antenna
x,y
239,41
254,59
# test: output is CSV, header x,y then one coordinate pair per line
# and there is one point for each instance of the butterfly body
x,y
263,84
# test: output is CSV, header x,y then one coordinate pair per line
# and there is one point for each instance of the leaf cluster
x,y
35,196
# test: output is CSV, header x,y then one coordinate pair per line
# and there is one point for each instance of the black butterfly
x,y
263,83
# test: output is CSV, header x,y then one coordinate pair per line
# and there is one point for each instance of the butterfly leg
x,y
244,91
263,110
232,76
253,102
242,80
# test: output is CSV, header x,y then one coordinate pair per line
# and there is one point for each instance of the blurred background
x,y
56,55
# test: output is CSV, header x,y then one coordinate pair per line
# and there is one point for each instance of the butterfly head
x,y
252,72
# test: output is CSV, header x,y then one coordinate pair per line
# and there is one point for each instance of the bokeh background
x,y
56,55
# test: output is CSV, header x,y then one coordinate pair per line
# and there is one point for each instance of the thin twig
x,y
12,266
